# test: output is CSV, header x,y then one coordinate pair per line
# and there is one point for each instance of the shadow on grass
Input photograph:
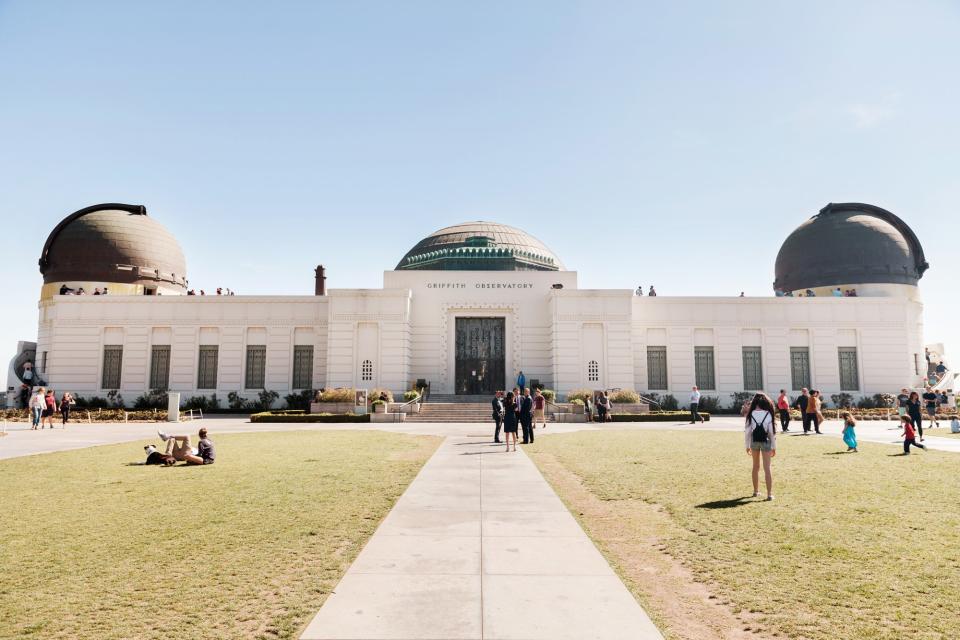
x,y
837,453
726,504
897,455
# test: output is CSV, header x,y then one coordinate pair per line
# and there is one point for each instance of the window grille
x,y
256,366
207,366
366,371
593,371
800,367
160,367
303,367
849,375
703,367
657,368
752,369
112,363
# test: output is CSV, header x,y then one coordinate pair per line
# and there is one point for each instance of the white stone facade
x,y
567,338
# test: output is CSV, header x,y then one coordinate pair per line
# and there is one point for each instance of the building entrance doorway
x,y
480,360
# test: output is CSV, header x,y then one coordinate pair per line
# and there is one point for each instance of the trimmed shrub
x,y
410,395
266,398
842,400
739,398
669,403
374,394
96,402
577,401
579,394
155,399
115,399
275,416
300,400
340,394
656,416
206,404
625,396
710,404
549,394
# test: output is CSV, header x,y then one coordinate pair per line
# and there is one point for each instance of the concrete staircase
x,y
453,408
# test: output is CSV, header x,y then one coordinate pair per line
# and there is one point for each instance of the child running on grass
x,y
909,435
849,435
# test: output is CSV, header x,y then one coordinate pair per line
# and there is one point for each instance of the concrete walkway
x,y
480,546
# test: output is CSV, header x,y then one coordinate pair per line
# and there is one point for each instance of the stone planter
x,y
387,417
379,408
576,409
629,408
332,407
405,408
569,417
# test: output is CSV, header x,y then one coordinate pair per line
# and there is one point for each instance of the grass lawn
x,y
858,545
92,547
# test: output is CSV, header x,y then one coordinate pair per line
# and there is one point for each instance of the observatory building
x,y
470,306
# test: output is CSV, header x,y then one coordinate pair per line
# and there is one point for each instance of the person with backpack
x,y
760,438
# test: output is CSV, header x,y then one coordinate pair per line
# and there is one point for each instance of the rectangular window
x,y
849,375
112,361
160,367
752,369
916,364
207,366
256,366
703,367
303,367
800,367
43,362
657,368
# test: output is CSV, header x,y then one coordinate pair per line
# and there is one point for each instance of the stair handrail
x,y
650,401
561,409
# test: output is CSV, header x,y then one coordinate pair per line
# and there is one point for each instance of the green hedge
x,y
666,416
273,416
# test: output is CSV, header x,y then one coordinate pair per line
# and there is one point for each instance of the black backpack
x,y
759,432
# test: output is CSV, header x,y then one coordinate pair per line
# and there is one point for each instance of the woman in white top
x,y
760,437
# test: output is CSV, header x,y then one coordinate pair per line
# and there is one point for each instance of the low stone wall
x,y
332,407
617,407
388,417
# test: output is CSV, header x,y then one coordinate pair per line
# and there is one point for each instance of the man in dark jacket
x,y
526,416
801,404
497,404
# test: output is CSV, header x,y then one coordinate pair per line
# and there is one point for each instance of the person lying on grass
x,y
155,457
180,448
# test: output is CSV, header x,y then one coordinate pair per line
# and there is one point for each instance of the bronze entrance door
x,y
480,357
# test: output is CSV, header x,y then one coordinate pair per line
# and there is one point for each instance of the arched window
x,y
366,370
593,371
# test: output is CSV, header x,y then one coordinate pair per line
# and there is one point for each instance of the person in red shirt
x,y
539,406
909,435
783,408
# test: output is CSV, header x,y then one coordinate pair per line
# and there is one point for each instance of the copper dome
x,y
481,246
112,243
850,243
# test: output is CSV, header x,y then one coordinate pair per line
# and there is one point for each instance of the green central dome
x,y
480,246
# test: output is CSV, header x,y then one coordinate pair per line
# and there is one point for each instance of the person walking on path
x,y
760,438
50,402
28,374
521,381
802,401
510,420
849,435
588,408
38,402
694,405
66,401
931,400
603,406
913,412
539,409
902,402
783,408
909,435
526,417
497,405
813,410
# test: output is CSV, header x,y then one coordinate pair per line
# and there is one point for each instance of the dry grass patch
x,y
247,548
853,547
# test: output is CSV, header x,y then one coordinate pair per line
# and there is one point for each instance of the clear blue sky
x,y
672,143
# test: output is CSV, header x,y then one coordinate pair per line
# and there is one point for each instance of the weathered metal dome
x,y
850,243
113,243
480,246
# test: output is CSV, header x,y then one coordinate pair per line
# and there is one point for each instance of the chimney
x,y
320,289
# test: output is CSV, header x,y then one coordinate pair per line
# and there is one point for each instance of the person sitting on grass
x,y
849,435
179,447
155,457
955,425
909,435
760,437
